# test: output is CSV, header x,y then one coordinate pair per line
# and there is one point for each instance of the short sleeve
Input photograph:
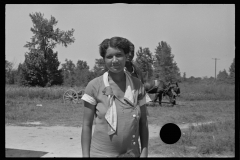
x,y
90,92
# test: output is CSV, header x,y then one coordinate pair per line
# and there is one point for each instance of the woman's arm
x,y
143,132
86,137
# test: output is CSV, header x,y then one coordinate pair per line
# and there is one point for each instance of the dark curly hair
x,y
131,48
114,42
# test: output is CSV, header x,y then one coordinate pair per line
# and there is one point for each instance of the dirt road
x,y
57,141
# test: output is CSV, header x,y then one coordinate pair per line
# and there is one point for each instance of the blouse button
x,y
133,136
134,143
134,115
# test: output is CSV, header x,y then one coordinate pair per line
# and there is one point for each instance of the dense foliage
x,y
232,72
76,75
40,67
144,61
160,65
164,66
8,72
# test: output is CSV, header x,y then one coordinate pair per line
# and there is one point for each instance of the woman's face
x,y
129,56
115,59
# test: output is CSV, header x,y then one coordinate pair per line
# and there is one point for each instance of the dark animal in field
x,y
160,89
176,89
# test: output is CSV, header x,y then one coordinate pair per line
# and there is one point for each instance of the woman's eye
x,y
109,57
119,55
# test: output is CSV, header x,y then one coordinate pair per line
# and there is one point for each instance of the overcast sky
x,y
196,33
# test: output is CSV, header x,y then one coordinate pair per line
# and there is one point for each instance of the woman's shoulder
x,y
96,81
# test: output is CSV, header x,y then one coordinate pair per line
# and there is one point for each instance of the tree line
x,y
42,68
222,76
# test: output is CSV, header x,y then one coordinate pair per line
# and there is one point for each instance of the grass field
x,y
48,93
189,92
203,141
21,107
205,91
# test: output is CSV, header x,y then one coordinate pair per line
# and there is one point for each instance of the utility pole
x,y
215,66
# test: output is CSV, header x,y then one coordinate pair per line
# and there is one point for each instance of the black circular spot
x,y
170,133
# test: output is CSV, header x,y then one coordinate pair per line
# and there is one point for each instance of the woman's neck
x,y
117,77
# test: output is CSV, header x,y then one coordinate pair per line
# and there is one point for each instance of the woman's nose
x,y
115,59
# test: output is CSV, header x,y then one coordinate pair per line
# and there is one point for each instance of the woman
x,y
117,100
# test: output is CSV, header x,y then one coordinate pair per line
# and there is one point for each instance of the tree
x,y
99,67
8,66
231,77
222,76
164,66
144,61
8,71
193,79
81,65
41,63
82,73
68,72
184,76
19,75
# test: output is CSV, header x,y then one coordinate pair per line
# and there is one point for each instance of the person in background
x,y
117,100
130,67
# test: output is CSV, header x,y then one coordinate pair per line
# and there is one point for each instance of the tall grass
x,y
215,138
206,140
201,91
48,93
189,92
